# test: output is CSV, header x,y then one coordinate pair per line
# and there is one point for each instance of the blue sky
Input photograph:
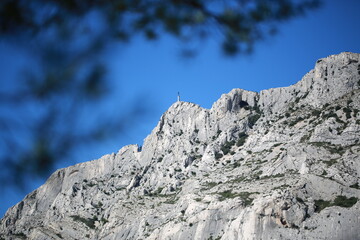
x,y
154,72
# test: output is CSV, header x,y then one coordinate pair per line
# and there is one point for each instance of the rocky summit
x,y
280,164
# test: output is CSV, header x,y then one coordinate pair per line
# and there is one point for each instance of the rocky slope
x,y
280,164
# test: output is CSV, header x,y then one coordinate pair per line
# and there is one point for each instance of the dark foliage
x,y
241,23
341,201
253,119
242,138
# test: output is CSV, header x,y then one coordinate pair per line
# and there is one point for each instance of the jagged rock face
x,y
280,164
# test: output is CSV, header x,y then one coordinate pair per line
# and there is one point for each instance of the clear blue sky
x,y
155,72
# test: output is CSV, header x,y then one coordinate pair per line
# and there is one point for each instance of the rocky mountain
x,y
280,164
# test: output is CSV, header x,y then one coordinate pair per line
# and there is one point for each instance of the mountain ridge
x,y
279,164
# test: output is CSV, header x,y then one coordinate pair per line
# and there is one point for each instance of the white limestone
x,y
199,177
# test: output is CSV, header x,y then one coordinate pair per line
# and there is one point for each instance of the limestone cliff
x,y
280,164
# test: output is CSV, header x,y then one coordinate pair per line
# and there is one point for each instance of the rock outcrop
x,y
280,164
